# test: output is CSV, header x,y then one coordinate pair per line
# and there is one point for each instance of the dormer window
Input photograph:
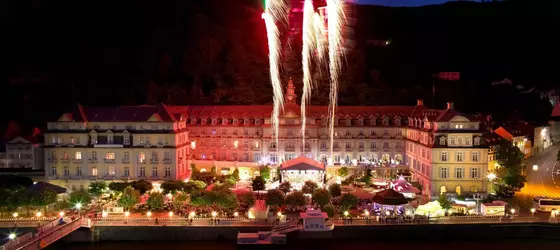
x,y
323,121
235,121
385,122
246,122
477,141
348,122
193,120
257,121
93,139
214,121
442,141
397,121
126,139
273,145
458,126
224,121
110,139
203,121
361,122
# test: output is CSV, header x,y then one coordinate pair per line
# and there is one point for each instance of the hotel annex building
x,y
441,148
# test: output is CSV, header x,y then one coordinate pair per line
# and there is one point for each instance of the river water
x,y
506,244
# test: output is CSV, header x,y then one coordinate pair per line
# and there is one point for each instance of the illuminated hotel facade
x,y
441,149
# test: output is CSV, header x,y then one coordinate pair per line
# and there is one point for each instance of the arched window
x,y
474,189
458,190
443,189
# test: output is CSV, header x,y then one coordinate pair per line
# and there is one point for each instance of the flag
x,y
448,76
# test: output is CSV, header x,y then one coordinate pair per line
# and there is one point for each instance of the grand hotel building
x,y
441,148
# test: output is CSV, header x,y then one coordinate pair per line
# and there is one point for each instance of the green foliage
x,y
206,177
258,183
275,197
348,201
510,158
179,199
461,197
231,180
247,200
321,197
155,201
16,199
235,174
142,186
296,199
309,187
330,209
335,190
342,172
367,177
285,187
44,198
129,198
444,201
81,197
119,186
97,188
214,170
265,172
14,182
198,184
221,197
172,186
62,205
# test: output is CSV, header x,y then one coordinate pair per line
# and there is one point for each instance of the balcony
x,y
93,177
348,149
77,161
125,160
361,149
109,177
142,161
336,149
53,160
166,161
324,149
110,161
65,177
271,149
154,178
92,160
290,149
154,161
76,177
65,160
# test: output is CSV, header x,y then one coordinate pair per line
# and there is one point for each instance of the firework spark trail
x,y
274,12
320,39
336,22
308,39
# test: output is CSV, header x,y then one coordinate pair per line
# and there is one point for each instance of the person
x,y
157,221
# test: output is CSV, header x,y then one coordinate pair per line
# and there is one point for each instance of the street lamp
x,y
512,211
104,214
236,214
491,176
535,167
149,214
78,206
38,214
192,214
170,214
387,213
12,236
533,210
15,215
61,213
214,214
279,214
126,214
346,213
407,213
366,213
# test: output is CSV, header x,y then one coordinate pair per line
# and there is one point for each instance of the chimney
x,y
449,105
420,102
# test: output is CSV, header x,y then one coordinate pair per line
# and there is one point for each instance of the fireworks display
x,y
274,13
308,38
336,21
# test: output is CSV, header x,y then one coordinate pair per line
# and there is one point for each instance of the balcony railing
x,y
166,161
336,149
153,161
125,160
53,160
142,161
93,177
77,160
109,177
65,160
109,160
323,149
290,149
92,160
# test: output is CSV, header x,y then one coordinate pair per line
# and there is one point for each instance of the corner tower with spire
x,y
290,93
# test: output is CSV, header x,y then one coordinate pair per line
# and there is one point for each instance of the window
x,y
443,174
65,156
94,155
475,173
348,122
273,158
256,158
372,133
307,146
273,145
78,155
126,155
78,140
142,158
245,157
245,132
442,141
459,156
167,171
110,156
460,141
53,170
361,145
126,140
475,156
93,139
459,126
452,140
468,141
154,172
348,145
476,141
336,145
213,132
167,156
224,131
385,122
348,132
398,145
53,140
290,133
142,172
94,171
323,145
111,170
110,139
126,171
79,171
386,133
72,141
66,171
459,173
154,155
399,132
385,145
373,145
443,156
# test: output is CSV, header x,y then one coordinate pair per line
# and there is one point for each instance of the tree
x,y
275,197
348,201
235,174
258,183
510,158
172,186
265,172
16,200
155,201
179,199
97,188
44,199
15,182
330,210
198,184
119,186
285,187
342,172
247,200
309,187
214,170
129,198
335,190
444,201
142,186
367,177
81,197
321,197
296,199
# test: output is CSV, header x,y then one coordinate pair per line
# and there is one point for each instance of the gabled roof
x,y
501,131
141,113
302,163
44,186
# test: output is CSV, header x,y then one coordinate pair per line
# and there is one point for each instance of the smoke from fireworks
x,y
274,12
309,46
336,21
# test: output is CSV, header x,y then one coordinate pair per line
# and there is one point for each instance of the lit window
x,y
94,171
110,156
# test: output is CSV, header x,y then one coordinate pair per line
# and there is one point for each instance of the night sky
x,y
407,3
